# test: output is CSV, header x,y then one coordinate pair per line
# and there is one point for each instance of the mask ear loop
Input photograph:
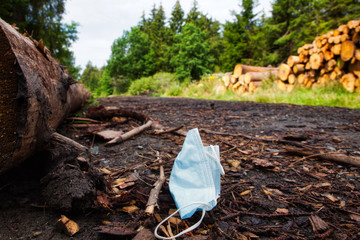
x,y
186,230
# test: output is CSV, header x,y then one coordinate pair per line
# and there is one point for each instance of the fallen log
x,y
258,76
36,95
242,69
299,68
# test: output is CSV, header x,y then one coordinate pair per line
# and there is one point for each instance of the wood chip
x,y
67,226
318,225
282,211
263,163
109,134
234,163
355,217
331,197
245,192
130,209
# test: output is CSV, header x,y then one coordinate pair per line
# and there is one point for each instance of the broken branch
x,y
60,140
129,134
332,156
83,119
154,193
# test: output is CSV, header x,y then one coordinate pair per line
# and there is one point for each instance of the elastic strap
x,y
186,230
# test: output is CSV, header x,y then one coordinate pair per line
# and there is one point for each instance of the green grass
x,y
165,85
332,96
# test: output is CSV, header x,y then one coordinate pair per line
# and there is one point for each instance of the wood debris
x,y
67,226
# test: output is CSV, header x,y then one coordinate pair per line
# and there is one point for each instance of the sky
x,y
101,22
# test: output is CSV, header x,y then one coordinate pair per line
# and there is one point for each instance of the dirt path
x,y
261,180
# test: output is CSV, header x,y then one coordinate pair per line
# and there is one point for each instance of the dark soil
x,y
261,181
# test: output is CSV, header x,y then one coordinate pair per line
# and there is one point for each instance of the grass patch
x,y
166,84
332,96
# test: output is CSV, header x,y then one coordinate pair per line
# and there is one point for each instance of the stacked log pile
x,y
334,56
248,78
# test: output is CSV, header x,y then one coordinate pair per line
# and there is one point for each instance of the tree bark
x,y
258,76
242,69
299,68
36,95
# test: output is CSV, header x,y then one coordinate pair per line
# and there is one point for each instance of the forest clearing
x,y
77,167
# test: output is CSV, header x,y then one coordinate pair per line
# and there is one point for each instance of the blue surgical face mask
x,y
195,178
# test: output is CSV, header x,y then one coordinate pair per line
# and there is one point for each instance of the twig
x,y
159,129
83,119
331,156
57,138
170,130
154,193
263,215
170,231
129,134
271,140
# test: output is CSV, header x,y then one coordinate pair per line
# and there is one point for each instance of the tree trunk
x,y
299,68
242,69
36,95
258,76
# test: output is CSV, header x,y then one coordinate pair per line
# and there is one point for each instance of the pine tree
x,y
91,77
339,12
237,36
159,36
42,20
193,14
177,18
291,26
131,56
191,53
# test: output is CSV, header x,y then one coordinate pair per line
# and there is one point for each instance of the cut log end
x,y
238,70
284,72
348,81
347,50
292,60
316,61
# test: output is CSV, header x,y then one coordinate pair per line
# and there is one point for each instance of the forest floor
x,y
268,192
